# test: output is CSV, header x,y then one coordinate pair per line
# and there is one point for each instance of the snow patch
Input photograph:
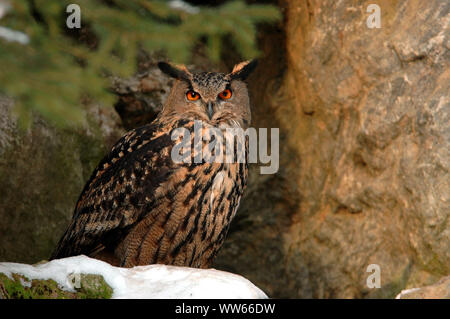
x,y
142,282
405,292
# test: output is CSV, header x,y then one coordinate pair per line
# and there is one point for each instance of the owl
x,y
140,206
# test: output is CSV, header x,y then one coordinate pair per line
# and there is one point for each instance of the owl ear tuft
x,y
242,70
178,72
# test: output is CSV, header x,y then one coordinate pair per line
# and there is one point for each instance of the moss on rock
x,y
19,287
94,287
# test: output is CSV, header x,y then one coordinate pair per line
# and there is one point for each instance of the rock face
x,y
140,97
364,149
42,172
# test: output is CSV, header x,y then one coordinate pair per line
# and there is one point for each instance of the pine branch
x,y
57,66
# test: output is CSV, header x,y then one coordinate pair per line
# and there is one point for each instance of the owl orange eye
x,y
225,95
192,95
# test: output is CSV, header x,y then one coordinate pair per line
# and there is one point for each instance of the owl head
x,y
217,98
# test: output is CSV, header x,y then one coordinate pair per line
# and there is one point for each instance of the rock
x,y
140,97
20,287
42,172
364,153
439,290
84,277
93,286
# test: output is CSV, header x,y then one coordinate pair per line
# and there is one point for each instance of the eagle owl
x,y
141,207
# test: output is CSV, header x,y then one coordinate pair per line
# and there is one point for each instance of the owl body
x,y
141,206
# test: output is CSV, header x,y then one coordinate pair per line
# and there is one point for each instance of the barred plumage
x,y
141,207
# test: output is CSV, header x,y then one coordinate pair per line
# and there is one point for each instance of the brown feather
x,y
140,207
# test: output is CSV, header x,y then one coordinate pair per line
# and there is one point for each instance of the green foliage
x,y
59,66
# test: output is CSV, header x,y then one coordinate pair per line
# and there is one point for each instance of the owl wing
x,y
119,193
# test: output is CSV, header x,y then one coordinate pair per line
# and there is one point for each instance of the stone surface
x,y
20,287
42,172
364,150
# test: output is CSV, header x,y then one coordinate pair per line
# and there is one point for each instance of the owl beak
x,y
210,110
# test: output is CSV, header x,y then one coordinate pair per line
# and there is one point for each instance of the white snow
x,y
405,292
153,281
5,6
